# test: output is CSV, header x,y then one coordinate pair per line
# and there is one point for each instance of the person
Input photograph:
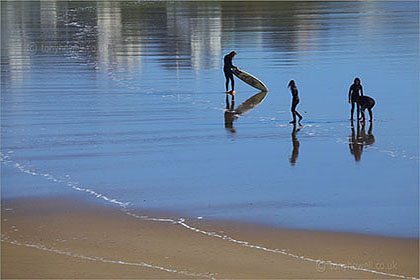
x,y
295,101
227,68
366,102
354,90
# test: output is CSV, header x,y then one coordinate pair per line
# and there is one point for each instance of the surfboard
x,y
250,79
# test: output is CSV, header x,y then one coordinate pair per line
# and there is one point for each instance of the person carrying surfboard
x,y
227,68
295,101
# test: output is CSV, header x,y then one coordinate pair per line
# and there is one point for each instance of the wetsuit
x,y
353,95
366,102
228,71
295,102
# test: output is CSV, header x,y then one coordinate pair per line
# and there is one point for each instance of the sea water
x,y
126,100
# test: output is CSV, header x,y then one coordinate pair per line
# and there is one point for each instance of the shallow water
x,y
127,99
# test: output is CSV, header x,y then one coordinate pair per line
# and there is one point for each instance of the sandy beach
x,y
71,238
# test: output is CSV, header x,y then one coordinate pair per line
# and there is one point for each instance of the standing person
x,y
354,90
295,101
227,68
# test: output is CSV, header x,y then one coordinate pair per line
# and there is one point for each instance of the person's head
x,y
291,83
232,54
357,81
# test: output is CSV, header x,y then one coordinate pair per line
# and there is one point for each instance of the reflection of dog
x,y
365,102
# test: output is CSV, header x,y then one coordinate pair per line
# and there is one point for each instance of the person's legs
x,y
352,110
293,110
232,81
370,114
362,112
296,112
227,81
358,110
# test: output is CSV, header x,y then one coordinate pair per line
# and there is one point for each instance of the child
x,y
295,101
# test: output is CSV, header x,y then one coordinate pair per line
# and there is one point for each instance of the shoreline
x,y
71,237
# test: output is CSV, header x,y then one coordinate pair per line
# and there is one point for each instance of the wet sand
x,y
73,238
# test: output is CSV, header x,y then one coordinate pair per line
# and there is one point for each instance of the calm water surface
x,y
126,99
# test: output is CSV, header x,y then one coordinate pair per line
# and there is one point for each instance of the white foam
x,y
182,222
6,239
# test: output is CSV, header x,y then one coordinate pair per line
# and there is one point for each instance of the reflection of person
x,y
295,143
366,102
295,101
355,143
354,90
227,68
368,139
230,114
360,140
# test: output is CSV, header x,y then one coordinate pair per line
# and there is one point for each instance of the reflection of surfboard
x,y
249,79
251,102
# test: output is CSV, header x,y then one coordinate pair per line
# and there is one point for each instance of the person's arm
x,y
350,94
233,66
361,90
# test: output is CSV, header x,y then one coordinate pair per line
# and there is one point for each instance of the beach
x,y
72,238
122,156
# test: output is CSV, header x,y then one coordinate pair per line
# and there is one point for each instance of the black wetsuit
x,y
295,102
366,102
228,71
353,95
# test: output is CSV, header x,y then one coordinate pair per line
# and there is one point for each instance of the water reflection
x,y
231,114
296,144
178,35
359,139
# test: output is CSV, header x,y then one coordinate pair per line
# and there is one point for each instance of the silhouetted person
x,y
227,68
295,101
355,142
366,102
354,91
230,114
295,143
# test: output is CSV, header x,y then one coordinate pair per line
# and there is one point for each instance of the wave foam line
x,y
284,252
6,239
6,159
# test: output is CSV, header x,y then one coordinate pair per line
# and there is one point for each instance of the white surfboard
x,y
250,79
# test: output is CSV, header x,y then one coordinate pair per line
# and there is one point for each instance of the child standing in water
x,y
354,90
227,68
295,101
